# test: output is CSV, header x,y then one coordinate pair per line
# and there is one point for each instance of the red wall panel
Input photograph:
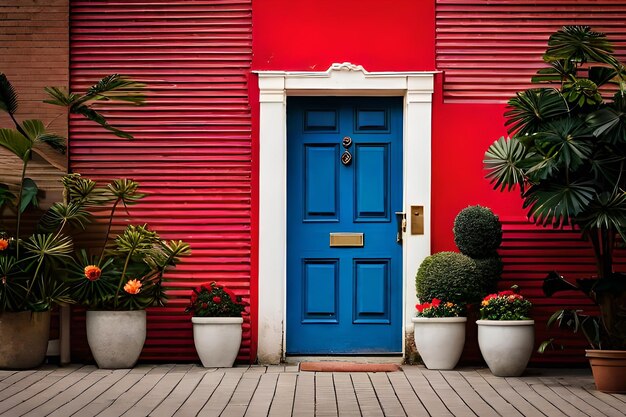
x,y
192,148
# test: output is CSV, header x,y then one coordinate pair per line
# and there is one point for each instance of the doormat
x,y
348,367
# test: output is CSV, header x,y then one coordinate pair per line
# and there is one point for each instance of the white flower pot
x,y
217,340
506,345
439,341
116,338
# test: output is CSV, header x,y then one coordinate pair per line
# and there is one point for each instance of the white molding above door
x,y
344,79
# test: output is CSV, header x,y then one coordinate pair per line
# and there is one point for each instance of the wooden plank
x,y
425,393
20,381
602,406
31,386
386,395
556,384
242,396
6,374
412,405
368,403
262,399
136,392
110,395
179,395
200,395
325,399
615,400
304,401
549,393
282,404
275,369
446,393
347,404
509,394
161,390
468,395
488,394
222,394
108,378
59,394
522,388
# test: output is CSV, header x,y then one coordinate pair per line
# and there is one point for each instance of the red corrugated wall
x,y
489,49
192,147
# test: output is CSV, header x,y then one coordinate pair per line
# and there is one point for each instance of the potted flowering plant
x,y
505,332
217,323
32,266
439,333
122,278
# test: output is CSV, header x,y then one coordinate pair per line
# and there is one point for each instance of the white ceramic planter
x,y
506,345
116,338
217,340
439,341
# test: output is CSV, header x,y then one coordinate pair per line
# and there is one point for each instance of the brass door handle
x,y
401,223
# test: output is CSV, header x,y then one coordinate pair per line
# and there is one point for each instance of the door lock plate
x,y
417,220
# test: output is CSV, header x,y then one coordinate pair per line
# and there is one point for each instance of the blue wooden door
x,y
344,299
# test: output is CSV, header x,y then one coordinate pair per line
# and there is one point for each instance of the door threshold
x,y
395,359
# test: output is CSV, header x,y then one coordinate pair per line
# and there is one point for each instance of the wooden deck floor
x,y
189,390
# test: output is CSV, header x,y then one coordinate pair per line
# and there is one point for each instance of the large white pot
x,y
116,338
217,340
439,341
506,345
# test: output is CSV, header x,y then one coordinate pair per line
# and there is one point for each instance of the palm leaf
x,y
565,140
531,108
15,142
94,116
607,211
580,44
83,190
36,132
502,162
61,213
48,246
125,190
60,97
116,87
609,124
8,95
557,203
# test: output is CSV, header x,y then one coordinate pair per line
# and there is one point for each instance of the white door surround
x,y
339,80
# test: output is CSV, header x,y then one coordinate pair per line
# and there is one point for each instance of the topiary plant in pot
x,y
567,155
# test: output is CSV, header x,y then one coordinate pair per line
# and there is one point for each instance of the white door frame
x,y
339,80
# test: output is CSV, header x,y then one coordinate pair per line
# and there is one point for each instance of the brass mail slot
x,y
346,240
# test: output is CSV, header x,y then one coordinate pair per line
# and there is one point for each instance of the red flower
x,y
217,300
435,302
204,305
490,296
231,294
505,293
4,244
421,307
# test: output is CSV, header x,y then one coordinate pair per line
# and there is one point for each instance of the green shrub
x,y
490,271
449,276
477,232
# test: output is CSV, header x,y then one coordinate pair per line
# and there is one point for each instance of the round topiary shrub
x,y
477,232
490,271
449,276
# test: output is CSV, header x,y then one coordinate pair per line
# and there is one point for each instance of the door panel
x,y
343,300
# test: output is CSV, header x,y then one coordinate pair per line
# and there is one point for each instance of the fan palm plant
x,y
567,154
30,268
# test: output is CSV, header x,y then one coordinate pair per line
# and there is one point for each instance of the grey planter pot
x,y
23,339
116,338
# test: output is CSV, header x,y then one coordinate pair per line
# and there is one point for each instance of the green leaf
x,y
15,142
6,196
48,246
60,97
117,87
125,190
580,44
607,211
602,75
609,124
29,194
94,116
36,132
557,203
61,213
84,190
502,162
8,95
530,109
567,141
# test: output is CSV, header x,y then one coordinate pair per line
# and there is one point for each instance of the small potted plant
x,y
506,334
217,323
439,333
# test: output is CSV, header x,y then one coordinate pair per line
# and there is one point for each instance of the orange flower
x,y
92,272
4,244
133,286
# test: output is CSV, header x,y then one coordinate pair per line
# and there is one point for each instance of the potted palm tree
x,y
567,154
32,268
